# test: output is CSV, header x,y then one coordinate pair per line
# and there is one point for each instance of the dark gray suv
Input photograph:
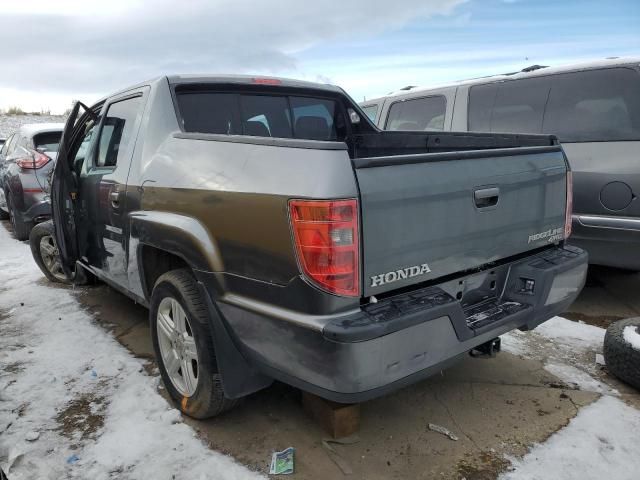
x,y
26,161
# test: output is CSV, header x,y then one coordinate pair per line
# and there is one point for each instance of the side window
x,y
513,106
519,106
481,100
417,114
594,105
116,136
371,111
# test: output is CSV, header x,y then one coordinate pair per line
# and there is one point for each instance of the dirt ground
x,y
495,406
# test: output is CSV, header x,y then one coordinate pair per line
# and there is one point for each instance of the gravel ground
x,y
10,123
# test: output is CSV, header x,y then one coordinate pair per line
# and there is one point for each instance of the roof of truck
x,y
251,80
533,71
227,78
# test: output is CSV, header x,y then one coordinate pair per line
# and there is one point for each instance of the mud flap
x,y
239,378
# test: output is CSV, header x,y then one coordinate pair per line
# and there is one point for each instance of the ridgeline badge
x,y
552,235
390,277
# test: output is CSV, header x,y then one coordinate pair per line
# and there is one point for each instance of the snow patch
x,y
632,336
572,334
574,376
600,442
53,359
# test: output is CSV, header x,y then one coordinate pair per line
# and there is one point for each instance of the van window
x,y
371,111
417,114
116,137
588,106
510,107
594,106
261,115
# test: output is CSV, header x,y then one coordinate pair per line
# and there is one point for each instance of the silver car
x,y
26,160
593,108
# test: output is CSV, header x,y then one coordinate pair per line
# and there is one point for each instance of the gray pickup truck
x,y
275,233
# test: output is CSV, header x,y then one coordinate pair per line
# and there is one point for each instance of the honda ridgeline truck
x,y
275,233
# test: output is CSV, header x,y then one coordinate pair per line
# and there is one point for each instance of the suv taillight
x,y
38,160
569,208
325,233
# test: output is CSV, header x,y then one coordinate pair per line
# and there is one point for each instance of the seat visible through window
x,y
312,128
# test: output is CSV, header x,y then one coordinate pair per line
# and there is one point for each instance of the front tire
x,y
183,344
42,241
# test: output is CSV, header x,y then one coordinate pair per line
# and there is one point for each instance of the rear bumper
x,y
402,339
610,241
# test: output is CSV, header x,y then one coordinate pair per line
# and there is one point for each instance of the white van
x,y
593,108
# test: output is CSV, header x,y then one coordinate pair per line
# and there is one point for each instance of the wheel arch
x,y
166,241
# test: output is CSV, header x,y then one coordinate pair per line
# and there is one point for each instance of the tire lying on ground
x,y
622,350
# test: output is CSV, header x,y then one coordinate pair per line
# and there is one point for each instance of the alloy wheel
x,y
177,346
51,257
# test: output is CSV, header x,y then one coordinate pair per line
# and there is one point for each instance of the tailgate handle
x,y
486,197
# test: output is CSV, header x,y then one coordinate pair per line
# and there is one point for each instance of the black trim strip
x,y
373,162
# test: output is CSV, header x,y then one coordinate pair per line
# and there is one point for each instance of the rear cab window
x,y
420,114
261,114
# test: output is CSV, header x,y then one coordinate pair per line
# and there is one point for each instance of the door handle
x,y
486,197
115,199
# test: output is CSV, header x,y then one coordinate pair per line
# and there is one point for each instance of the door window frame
x,y
95,142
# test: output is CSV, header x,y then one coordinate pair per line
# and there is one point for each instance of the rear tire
x,y
191,378
45,252
621,358
21,229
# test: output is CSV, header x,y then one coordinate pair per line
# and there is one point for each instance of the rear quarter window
x,y
419,114
371,111
47,141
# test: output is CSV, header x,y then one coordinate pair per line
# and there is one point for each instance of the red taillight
x,y
267,81
325,233
569,210
38,160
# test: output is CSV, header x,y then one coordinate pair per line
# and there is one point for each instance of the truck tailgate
x,y
429,215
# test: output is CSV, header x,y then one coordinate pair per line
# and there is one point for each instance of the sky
x,y
54,52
